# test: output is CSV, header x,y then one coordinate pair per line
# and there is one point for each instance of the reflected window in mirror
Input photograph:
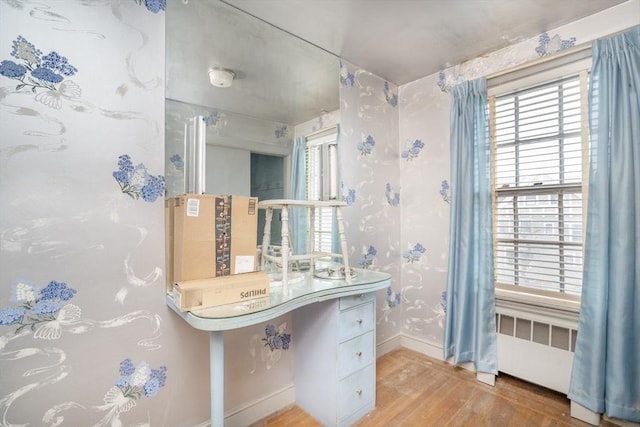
x,y
321,160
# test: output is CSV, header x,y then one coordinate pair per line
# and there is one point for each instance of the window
x,y
538,149
322,184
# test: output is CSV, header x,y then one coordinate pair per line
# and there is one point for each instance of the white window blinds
x,y
538,153
322,184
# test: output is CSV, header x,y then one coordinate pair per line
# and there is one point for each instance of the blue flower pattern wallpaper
x,y
137,182
369,151
81,259
41,311
413,150
369,108
44,75
426,186
85,335
134,383
266,349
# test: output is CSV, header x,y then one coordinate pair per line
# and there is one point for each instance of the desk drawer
x,y
355,321
355,354
353,300
356,391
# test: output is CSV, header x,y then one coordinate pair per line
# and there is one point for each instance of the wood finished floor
x,y
415,390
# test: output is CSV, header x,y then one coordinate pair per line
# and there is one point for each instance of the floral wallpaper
x,y
80,257
369,151
398,195
86,337
424,171
424,168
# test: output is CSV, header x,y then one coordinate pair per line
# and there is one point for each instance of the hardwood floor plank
x,y
415,390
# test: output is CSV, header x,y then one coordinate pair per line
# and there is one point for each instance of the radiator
x,y
536,344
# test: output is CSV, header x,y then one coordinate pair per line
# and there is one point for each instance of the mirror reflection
x,y
280,81
282,88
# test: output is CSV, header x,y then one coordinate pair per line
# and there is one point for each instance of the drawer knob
x,y
359,321
359,354
359,392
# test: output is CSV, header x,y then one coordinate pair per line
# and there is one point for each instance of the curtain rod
x,y
320,131
563,53
584,47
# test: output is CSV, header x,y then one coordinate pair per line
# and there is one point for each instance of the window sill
x,y
519,301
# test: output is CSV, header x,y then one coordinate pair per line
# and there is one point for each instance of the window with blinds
x,y
322,184
538,172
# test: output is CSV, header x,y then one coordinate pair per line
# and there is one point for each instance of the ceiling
x,y
286,52
278,77
404,40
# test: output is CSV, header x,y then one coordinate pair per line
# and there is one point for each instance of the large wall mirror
x,y
281,84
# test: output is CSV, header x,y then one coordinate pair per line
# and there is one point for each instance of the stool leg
x,y
266,236
343,245
285,248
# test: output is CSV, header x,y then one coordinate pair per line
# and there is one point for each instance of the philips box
x,y
195,294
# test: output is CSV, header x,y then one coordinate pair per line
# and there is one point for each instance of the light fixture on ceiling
x,y
221,77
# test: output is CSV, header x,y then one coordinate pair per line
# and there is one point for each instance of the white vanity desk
x,y
334,342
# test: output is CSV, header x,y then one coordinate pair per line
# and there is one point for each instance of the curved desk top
x,y
280,203
305,291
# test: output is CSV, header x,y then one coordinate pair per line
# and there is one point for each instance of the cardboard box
x,y
195,294
214,236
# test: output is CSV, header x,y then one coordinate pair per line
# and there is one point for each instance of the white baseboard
x,y
425,347
584,414
486,378
428,348
384,347
259,409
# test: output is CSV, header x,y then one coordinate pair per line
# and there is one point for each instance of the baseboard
x,y
425,347
584,414
387,345
428,348
258,409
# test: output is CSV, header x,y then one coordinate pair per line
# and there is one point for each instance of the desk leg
x,y
216,372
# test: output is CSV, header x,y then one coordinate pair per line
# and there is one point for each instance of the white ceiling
x,y
281,78
404,40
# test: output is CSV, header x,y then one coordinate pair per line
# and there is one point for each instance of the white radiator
x,y
536,344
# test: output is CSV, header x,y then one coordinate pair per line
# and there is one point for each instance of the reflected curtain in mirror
x,y
298,217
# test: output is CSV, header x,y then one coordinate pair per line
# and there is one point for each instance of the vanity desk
x,y
334,342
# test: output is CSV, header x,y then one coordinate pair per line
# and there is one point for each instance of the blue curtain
x,y
606,367
335,238
470,329
297,216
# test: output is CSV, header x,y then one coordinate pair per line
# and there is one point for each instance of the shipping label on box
x,y
215,291
244,233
